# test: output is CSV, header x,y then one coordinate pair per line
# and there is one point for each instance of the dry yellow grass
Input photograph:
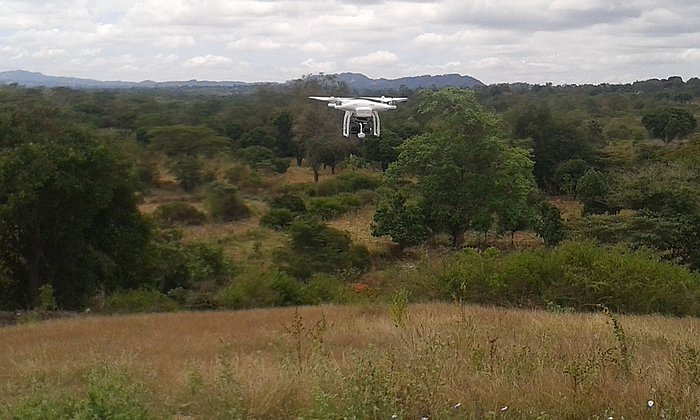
x,y
357,225
552,365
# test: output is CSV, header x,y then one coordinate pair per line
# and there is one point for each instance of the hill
x,y
356,82
436,360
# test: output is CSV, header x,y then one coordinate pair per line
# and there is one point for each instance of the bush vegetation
x,y
178,213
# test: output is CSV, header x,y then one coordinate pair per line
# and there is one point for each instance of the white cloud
x,y
208,61
376,58
564,41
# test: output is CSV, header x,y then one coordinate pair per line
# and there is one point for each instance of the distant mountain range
x,y
357,83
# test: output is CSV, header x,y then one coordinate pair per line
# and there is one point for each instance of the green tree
x,y
567,175
318,248
593,189
68,218
550,227
224,204
187,171
458,167
403,222
669,124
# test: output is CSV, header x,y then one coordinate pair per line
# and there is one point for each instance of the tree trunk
x,y
299,158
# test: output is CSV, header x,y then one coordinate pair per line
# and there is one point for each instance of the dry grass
x,y
570,209
357,225
552,365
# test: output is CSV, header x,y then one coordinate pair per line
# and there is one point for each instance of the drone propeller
x,y
384,99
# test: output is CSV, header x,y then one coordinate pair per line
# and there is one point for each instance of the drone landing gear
x,y
354,125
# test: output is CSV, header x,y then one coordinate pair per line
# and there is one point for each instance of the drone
x,y
359,112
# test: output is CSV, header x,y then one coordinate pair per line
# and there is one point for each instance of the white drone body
x,y
359,112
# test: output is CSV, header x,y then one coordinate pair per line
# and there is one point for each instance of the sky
x,y
496,41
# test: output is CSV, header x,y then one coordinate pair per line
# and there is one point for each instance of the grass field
x,y
437,360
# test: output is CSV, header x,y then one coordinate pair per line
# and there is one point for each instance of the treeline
x,y
74,166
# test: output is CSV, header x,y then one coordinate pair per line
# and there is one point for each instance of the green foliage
x,y
403,223
577,275
673,237
348,182
317,248
328,208
278,219
224,204
291,202
669,124
593,189
179,140
141,300
177,265
109,394
243,177
261,287
178,213
550,227
68,215
187,171
323,288
463,171
47,301
257,156
568,174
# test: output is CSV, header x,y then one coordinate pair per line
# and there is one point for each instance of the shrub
x,y
290,202
178,213
261,287
223,203
579,275
279,165
322,288
348,182
243,177
188,172
328,208
277,219
317,248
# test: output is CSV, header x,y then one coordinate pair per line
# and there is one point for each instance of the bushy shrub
x,y
261,287
141,300
224,204
577,275
279,165
323,288
328,208
243,177
291,202
188,172
175,264
277,219
348,183
178,213
317,248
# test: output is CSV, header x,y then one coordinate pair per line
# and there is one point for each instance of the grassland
x,y
437,360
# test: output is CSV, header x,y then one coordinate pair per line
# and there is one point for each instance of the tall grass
x,y
441,360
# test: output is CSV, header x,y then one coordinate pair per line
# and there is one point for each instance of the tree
x,y
68,218
318,248
669,124
403,223
550,228
555,138
593,190
463,172
567,175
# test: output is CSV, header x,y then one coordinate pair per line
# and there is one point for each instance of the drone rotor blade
x,y
384,99
323,98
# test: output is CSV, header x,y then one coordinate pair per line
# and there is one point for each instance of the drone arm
x,y
377,123
346,123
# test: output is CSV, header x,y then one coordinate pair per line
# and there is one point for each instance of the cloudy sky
x,y
536,41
